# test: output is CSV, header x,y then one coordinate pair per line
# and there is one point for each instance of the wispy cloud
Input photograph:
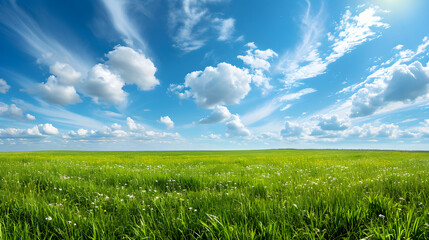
x,y
37,42
307,60
62,116
120,17
269,107
190,20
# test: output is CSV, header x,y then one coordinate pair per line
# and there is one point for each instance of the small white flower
x,y
381,216
49,218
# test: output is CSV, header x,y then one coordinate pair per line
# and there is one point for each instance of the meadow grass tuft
x,y
269,194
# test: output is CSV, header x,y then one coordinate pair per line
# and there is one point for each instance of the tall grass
x,y
273,194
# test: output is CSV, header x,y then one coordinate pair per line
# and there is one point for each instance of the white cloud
x,y
355,30
219,114
235,128
133,67
56,93
37,42
292,130
59,115
10,110
261,80
332,123
189,21
398,47
257,59
102,83
111,114
66,75
259,64
212,136
251,45
120,18
372,131
297,95
221,85
133,126
41,130
30,117
134,132
266,109
4,87
400,83
48,129
225,28
82,132
306,61
261,112
286,107
20,133
59,87
169,124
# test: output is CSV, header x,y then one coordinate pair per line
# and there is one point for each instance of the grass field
x,y
272,194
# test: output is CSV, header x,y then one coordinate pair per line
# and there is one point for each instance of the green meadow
x,y
267,194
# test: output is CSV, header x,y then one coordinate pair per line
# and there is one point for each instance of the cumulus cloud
x,y
30,117
60,86
221,85
134,132
235,128
332,123
65,74
124,66
41,130
292,130
103,84
169,124
4,87
219,114
48,129
133,126
400,83
258,60
20,133
261,80
10,110
54,92
369,130
332,129
133,67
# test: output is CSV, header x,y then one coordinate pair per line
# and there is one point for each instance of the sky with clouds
x,y
213,74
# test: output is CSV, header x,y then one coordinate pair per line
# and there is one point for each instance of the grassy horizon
x,y
251,194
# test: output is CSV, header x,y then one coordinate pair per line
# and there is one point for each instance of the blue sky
x,y
213,74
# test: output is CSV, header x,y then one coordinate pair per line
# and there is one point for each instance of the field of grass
x,y
270,194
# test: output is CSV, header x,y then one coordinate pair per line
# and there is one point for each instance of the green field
x,y
270,194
